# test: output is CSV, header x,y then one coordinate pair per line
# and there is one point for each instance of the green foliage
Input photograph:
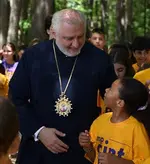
x,y
25,25
92,9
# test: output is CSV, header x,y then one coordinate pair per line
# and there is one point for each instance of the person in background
x,y
34,42
60,77
122,139
9,130
121,60
138,48
21,50
9,65
97,38
48,28
9,60
144,75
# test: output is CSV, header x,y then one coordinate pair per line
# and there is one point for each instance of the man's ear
x,y
52,32
48,31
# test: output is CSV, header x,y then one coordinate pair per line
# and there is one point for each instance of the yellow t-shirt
x,y
3,85
147,161
100,103
135,67
127,139
143,76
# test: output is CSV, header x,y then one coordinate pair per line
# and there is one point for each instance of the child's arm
x,y
84,141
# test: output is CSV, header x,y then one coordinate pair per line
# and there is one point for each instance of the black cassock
x,y
35,87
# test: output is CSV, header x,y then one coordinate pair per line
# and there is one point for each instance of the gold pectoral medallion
x,y
63,106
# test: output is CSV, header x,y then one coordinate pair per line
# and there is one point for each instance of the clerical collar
x,y
59,53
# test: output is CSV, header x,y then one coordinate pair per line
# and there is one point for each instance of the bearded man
x,y
55,91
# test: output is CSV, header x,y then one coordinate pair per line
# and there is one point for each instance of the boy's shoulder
x,y
143,75
104,117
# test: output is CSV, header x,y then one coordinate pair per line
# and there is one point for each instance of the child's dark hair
x,y
134,94
120,54
48,22
9,125
96,30
139,43
34,42
22,47
118,48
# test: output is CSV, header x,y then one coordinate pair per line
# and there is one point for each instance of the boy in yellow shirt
x,y
117,137
144,75
9,127
97,38
138,47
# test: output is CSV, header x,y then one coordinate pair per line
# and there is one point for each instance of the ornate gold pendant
x,y
63,106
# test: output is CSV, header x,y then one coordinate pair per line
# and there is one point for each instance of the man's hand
x,y
48,136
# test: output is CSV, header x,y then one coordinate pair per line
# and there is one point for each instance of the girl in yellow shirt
x,y
9,63
118,137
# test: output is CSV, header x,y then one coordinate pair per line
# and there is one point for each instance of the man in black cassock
x,y
55,91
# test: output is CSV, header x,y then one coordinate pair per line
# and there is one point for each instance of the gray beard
x,y
65,51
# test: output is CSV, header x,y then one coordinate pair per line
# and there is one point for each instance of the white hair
x,y
70,16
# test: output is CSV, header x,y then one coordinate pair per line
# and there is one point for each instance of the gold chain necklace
x,y
63,105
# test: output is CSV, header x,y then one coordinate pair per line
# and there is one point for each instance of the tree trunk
x,y
120,18
24,9
41,8
4,20
23,18
129,19
15,8
104,16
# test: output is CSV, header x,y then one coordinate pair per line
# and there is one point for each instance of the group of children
x,y
122,135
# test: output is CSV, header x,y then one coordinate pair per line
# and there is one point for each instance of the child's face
x,y
147,56
98,40
8,53
120,70
111,97
140,56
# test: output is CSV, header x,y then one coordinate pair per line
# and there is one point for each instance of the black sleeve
x,y
109,76
20,94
